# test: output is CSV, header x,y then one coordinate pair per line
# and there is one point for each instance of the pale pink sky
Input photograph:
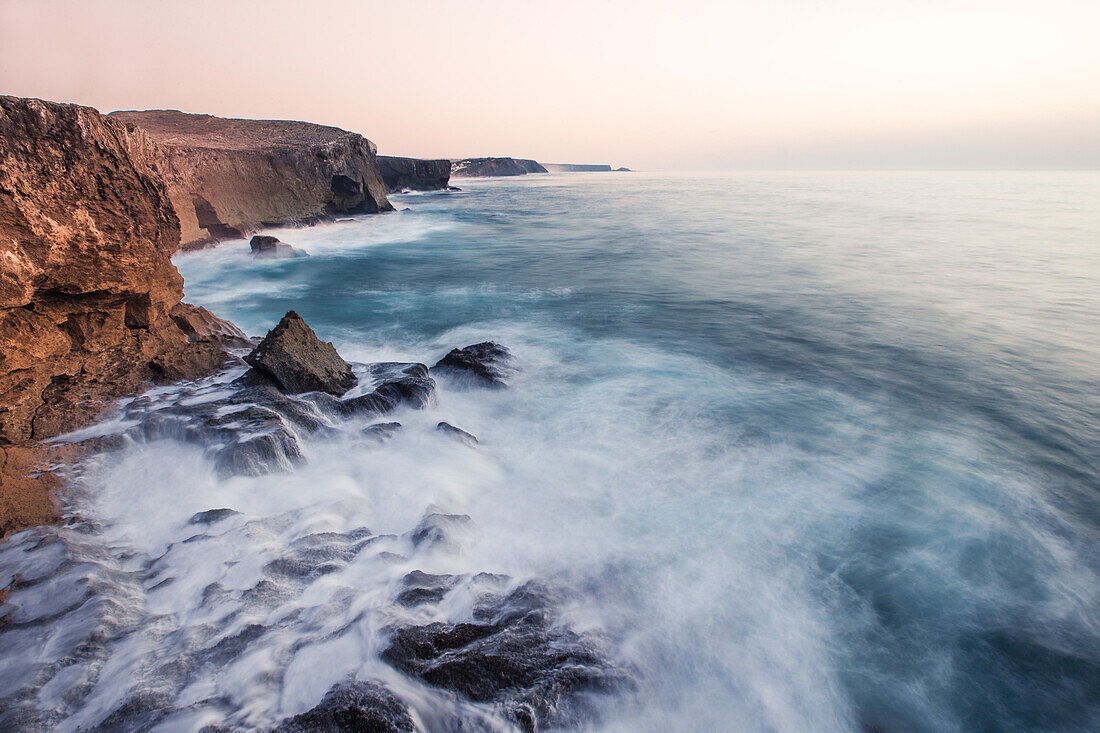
x,y
680,85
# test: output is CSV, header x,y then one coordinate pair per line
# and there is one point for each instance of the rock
x,y
420,587
399,384
458,433
484,167
202,326
413,174
353,707
520,659
623,170
293,356
442,529
382,431
577,168
485,364
228,178
266,247
211,515
87,285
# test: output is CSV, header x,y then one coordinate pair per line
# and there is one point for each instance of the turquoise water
x,y
812,451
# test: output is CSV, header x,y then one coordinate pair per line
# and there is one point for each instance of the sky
x,y
681,85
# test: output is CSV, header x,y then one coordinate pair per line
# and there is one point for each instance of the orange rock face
x,y
86,279
228,178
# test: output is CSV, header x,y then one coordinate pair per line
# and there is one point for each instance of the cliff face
x,y
413,173
483,167
87,287
578,168
228,178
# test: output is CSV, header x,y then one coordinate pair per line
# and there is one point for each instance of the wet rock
x,y
401,384
211,515
202,326
266,247
420,587
441,529
382,431
522,660
485,365
293,356
352,707
259,455
457,433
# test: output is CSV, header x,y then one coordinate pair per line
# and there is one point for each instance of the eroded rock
x,y
457,433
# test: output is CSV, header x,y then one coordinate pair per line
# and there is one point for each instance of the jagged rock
x,y
485,364
457,433
228,178
352,707
293,356
413,174
485,167
520,658
211,515
266,247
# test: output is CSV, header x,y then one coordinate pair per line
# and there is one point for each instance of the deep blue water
x,y
815,451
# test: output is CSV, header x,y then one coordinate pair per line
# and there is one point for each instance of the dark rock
x,y
522,660
457,433
211,515
485,364
382,431
441,529
353,707
399,384
413,174
259,455
623,170
293,356
267,247
421,587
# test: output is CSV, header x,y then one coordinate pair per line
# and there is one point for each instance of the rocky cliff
x,y
578,168
89,298
484,167
413,174
228,178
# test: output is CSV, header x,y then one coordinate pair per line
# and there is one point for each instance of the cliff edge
x,y
228,178
487,167
89,298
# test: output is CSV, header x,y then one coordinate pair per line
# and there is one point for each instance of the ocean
x,y
800,451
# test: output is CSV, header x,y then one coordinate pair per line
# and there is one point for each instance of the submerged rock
x,y
457,433
298,361
519,658
485,364
266,247
381,431
353,707
442,529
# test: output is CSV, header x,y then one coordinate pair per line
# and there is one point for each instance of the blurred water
x,y
814,451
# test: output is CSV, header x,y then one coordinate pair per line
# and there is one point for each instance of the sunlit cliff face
x,y
645,84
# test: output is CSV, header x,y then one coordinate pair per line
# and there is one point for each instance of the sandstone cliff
x,y
413,174
484,167
227,178
89,298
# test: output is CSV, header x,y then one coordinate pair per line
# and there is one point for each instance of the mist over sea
x,y
807,451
